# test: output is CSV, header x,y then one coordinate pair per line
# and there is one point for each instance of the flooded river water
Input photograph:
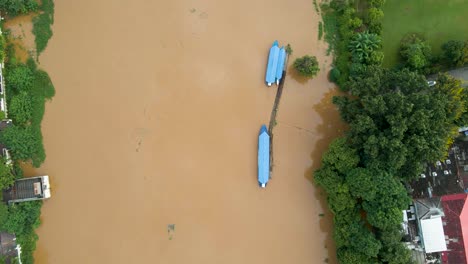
x,y
155,123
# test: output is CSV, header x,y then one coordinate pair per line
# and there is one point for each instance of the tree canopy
x,y
397,120
456,52
307,66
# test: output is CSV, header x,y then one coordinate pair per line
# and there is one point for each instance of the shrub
x,y
456,52
415,52
376,58
2,47
288,49
25,143
376,3
334,75
17,7
374,20
19,78
307,66
21,108
6,177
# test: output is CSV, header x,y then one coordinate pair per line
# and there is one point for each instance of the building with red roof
x,y
455,221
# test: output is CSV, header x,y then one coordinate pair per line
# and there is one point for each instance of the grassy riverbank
x,y
437,21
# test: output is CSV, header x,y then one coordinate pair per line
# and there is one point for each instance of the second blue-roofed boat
x,y
270,76
263,157
280,67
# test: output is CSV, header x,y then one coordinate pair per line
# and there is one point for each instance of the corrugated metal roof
x,y
272,63
433,235
280,67
263,156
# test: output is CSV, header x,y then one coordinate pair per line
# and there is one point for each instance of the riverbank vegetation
x,y
42,24
397,122
27,89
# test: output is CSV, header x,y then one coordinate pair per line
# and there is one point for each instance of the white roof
x,y
462,129
433,235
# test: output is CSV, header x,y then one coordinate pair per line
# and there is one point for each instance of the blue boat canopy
x,y
263,157
270,76
280,67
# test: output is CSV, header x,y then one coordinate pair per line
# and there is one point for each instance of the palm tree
x,y
363,44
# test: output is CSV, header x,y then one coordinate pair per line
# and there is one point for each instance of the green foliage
x,y
374,20
21,108
348,256
393,252
334,75
397,121
384,211
440,21
288,49
340,156
376,3
320,30
42,25
307,66
415,52
363,46
2,47
17,7
362,184
29,88
376,58
25,143
22,219
456,52
316,7
6,176
19,78
3,214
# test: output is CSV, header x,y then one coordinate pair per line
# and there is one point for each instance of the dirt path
x,y
151,139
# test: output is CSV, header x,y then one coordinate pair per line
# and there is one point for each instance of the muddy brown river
x,y
155,123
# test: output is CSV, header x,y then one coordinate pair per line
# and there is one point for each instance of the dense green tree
x,y
21,108
362,184
393,251
340,156
456,52
17,7
349,256
22,216
19,78
397,121
25,143
415,52
384,211
307,66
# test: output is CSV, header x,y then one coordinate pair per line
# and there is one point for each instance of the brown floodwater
x,y
155,122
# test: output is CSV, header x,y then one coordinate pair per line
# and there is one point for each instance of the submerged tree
x,y
307,66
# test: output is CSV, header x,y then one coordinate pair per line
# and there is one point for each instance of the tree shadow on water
x,y
331,127
295,75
